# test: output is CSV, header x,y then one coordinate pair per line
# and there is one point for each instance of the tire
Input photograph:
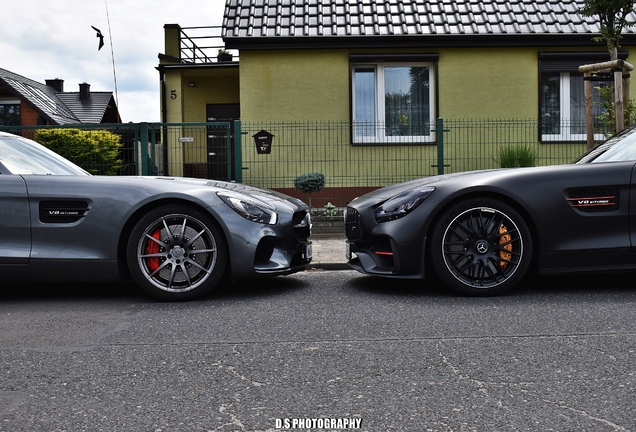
x,y
481,247
176,253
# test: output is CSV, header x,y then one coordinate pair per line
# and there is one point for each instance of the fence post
x,y
439,130
143,156
238,152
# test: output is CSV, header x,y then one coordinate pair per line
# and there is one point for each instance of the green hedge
x,y
97,151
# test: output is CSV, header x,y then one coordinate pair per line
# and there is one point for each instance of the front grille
x,y
353,224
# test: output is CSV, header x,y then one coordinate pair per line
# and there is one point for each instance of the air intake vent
x,y
593,200
62,211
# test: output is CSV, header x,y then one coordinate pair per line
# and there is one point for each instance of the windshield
x,y
22,156
618,148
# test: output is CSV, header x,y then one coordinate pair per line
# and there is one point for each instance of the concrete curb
x,y
329,253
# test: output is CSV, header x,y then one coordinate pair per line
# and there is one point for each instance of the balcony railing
x,y
200,45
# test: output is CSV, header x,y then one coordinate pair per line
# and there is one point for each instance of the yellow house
x,y
354,89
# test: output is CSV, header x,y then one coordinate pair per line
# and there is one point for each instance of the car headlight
x,y
402,204
250,208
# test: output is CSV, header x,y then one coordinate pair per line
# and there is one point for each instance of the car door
x,y
15,227
632,210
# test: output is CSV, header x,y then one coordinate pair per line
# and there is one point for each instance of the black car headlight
x,y
402,204
250,208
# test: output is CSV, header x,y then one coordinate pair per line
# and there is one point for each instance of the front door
x,y
220,154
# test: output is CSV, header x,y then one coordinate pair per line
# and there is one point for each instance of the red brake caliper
x,y
153,248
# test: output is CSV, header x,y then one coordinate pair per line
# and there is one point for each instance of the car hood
x,y
392,190
266,195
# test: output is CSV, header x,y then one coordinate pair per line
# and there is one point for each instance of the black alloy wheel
x,y
176,252
481,247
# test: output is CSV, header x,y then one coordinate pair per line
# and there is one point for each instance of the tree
x,y
612,15
310,182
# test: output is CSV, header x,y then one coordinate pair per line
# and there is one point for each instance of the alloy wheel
x,y
177,253
482,247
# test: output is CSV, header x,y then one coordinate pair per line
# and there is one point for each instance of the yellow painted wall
x,y
211,86
488,83
187,103
314,85
294,85
174,105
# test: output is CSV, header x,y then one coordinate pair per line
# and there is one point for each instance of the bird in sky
x,y
100,36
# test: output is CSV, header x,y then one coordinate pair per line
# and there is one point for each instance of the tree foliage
x,y
607,119
310,182
612,16
97,151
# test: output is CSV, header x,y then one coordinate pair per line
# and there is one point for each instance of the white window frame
x,y
379,124
565,115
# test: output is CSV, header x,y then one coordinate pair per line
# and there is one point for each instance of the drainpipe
x,y
164,120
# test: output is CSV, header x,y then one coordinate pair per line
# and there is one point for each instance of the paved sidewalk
x,y
329,253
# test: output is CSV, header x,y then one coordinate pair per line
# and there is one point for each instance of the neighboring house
x,y
25,102
390,68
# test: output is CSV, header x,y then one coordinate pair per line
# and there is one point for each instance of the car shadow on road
x,y
267,287
74,291
400,287
570,285
577,284
129,291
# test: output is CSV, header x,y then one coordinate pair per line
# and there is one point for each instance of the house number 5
x,y
173,94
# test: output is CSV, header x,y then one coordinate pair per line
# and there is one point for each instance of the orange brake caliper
x,y
505,238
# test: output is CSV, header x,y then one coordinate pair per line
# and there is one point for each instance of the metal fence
x,y
228,151
204,150
351,169
129,137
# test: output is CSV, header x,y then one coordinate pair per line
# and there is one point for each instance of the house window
x,y
9,114
563,106
562,94
392,102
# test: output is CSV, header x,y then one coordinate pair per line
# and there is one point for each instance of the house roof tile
x,y
320,18
40,96
87,111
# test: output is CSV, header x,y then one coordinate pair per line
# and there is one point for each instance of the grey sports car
x,y
481,232
176,237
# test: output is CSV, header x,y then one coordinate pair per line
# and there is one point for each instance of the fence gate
x,y
209,150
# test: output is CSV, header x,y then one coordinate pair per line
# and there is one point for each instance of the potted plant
x,y
224,56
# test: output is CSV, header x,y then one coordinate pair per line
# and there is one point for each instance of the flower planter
x,y
328,226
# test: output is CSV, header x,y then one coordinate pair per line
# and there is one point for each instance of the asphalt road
x,y
556,354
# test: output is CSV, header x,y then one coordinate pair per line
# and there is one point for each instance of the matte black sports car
x,y
481,232
175,237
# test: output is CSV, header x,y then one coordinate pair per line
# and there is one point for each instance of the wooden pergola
x,y
620,69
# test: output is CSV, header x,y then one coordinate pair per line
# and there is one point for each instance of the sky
x,y
43,39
